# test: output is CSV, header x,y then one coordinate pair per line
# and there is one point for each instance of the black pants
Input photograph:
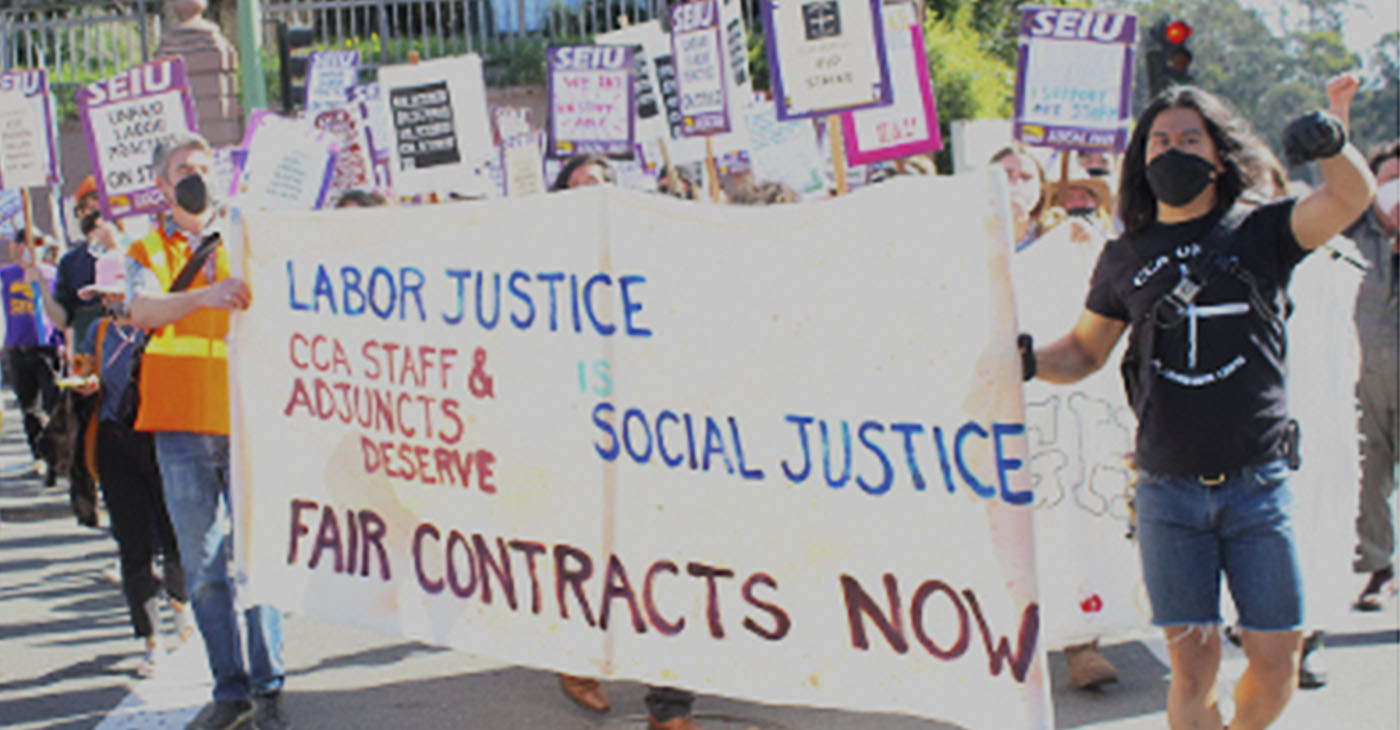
x,y
130,481
29,370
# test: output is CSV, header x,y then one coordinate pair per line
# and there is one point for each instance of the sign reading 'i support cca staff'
x,y
1074,78
124,118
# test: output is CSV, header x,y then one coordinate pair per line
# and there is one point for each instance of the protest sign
x,y
1079,437
511,121
354,169
124,118
437,111
590,100
1074,77
329,77
784,151
522,165
377,129
648,43
825,56
909,125
289,164
697,60
28,155
11,212
610,468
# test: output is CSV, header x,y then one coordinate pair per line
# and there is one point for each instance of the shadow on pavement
x,y
1141,688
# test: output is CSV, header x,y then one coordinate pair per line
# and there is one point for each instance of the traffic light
x,y
1168,56
290,40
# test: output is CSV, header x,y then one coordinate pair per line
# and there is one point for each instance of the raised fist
x,y
1313,136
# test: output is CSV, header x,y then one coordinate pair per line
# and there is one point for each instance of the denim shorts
x,y
1191,530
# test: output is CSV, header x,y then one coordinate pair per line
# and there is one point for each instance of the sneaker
x,y
1311,672
112,572
222,715
147,668
267,713
1374,594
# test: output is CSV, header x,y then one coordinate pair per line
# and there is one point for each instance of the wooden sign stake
x,y
838,152
711,168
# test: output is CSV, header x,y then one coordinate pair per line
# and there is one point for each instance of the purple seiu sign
x,y
697,53
1074,78
124,118
28,156
590,100
329,76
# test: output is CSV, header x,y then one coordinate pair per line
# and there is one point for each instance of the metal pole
x,y
252,83
145,30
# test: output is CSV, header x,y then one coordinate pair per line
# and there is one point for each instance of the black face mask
x,y
1177,177
89,222
192,194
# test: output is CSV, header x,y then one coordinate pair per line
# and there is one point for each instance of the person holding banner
x,y
1201,282
179,285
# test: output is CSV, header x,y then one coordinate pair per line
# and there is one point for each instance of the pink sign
x,y
909,125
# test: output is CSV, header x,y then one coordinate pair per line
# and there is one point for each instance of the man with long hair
x,y
1201,283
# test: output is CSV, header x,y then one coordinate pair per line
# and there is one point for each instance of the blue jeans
x,y
1190,531
195,469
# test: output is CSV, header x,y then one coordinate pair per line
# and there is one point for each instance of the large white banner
x,y
775,453
1080,439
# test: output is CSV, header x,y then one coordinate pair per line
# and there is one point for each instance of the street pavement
x,y
67,659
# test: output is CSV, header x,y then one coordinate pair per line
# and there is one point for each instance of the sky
x,y
1365,22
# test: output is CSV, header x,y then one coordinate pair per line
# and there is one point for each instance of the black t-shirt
x,y
76,270
1215,399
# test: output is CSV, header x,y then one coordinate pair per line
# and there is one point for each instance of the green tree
x,y
1375,113
1268,78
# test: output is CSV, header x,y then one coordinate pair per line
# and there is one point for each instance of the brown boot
x,y
1088,667
586,691
685,722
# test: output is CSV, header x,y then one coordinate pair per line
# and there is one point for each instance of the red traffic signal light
x,y
1178,32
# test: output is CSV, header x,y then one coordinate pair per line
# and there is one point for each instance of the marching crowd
x,y
117,357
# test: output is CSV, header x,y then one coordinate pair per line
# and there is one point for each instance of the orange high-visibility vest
x,y
184,372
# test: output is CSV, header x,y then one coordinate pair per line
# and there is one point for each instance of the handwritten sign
x,y
825,56
379,131
697,59
289,164
784,151
521,441
590,100
437,111
648,43
909,125
522,165
1074,78
28,156
124,118
354,169
329,77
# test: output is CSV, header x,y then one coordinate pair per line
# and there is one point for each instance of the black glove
x,y
1026,345
1313,136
